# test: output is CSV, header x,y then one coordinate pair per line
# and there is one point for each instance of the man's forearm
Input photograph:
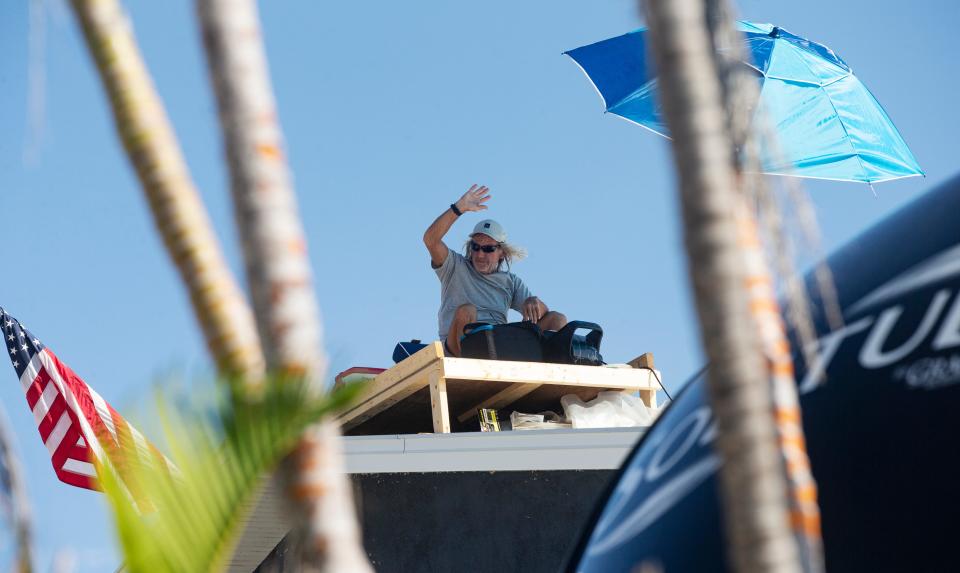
x,y
439,228
472,200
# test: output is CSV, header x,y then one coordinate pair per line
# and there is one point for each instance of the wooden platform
x,y
431,393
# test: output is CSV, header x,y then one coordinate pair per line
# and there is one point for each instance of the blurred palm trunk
x,y
753,486
17,504
279,275
277,267
749,132
177,210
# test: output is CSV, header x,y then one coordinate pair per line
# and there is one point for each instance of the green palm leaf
x,y
191,521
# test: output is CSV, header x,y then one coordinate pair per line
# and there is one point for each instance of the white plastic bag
x,y
608,410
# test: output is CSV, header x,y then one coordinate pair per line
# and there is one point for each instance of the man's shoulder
x,y
456,259
511,276
454,264
506,278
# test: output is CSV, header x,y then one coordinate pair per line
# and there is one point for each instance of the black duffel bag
x,y
565,346
519,341
525,342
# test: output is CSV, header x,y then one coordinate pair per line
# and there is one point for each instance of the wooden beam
x,y
645,360
544,373
505,397
394,385
438,402
649,398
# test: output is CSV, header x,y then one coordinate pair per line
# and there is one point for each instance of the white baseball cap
x,y
492,229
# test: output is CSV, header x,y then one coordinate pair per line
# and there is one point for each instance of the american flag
x,y
76,424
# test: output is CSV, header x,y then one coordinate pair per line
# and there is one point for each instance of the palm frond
x,y
189,520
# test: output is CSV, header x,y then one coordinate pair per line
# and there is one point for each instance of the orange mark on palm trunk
x,y
782,369
766,305
758,280
270,151
788,416
309,491
297,245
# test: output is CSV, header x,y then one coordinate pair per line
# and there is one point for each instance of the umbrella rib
x,y
651,130
796,81
806,64
606,107
835,80
840,179
846,134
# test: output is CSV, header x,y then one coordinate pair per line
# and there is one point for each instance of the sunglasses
x,y
485,248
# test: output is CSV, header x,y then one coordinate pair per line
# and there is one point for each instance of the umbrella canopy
x,y
829,125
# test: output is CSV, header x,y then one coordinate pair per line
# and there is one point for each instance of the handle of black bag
x,y
467,328
577,324
596,331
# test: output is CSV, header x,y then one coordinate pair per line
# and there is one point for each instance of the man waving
x,y
478,285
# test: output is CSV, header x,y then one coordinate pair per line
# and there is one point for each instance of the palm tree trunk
x,y
749,132
152,148
753,488
768,321
17,504
278,272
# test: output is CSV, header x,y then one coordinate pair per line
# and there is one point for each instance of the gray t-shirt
x,y
493,294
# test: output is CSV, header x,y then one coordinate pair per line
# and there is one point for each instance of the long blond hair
x,y
510,253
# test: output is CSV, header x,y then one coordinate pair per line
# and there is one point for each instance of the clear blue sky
x,y
391,110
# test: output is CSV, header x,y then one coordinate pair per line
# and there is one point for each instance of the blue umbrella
x,y
829,125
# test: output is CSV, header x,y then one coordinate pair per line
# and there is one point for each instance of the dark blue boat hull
x,y
881,412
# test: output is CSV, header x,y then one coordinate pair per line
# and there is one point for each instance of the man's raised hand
x,y
474,199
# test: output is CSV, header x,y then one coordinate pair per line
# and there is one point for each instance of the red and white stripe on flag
x,y
76,424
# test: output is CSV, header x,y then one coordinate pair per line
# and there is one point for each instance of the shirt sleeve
x,y
520,294
445,271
